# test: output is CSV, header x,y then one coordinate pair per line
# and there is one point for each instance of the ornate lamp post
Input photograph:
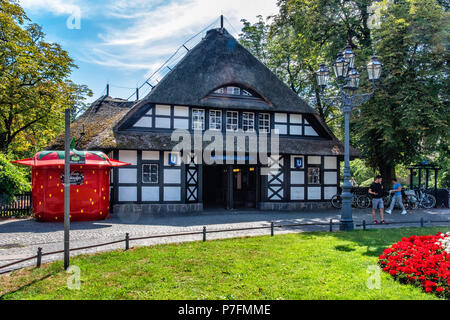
x,y
348,80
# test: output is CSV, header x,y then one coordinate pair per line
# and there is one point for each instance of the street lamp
x,y
348,79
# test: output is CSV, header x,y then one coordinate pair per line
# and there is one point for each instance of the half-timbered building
x,y
217,87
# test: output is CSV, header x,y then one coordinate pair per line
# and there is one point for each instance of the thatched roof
x,y
97,123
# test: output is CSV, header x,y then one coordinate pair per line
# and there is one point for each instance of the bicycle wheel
x,y
412,202
363,202
428,201
336,201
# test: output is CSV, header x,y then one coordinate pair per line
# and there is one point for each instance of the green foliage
x,y
409,115
408,118
34,84
12,180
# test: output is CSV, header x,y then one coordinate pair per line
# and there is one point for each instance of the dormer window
x,y
236,91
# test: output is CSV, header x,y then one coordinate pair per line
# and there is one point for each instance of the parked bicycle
x,y
419,199
358,201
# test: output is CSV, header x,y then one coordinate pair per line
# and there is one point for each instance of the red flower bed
x,y
419,260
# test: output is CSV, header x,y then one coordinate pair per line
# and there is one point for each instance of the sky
x,y
124,42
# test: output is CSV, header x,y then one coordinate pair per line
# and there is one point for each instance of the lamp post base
x,y
346,226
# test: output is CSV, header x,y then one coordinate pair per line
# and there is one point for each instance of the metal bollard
x,y
271,229
421,222
331,225
127,241
39,258
204,234
364,225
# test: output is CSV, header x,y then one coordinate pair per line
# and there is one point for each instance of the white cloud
x,y
57,7
151,21
160,27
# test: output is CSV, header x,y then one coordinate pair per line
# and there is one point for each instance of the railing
x,y
272,226
21,205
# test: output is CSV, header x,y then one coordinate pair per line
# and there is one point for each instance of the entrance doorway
x,y
244,187
230,186
215,186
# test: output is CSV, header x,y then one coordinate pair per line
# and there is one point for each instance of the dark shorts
x,y
377,203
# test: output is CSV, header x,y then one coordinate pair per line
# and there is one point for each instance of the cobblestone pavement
x,y
21,238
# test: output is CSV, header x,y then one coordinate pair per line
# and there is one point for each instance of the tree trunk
x,y
387,171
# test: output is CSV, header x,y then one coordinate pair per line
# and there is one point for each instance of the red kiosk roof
x,y
57,158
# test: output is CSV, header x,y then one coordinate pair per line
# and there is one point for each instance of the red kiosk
x,y
89,190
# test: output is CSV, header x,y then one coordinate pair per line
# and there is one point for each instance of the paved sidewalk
x,y
21,238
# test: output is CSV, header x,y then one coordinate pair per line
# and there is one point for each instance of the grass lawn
x,y
315,265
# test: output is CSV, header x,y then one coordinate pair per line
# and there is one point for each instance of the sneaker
x,y
388,211
404,212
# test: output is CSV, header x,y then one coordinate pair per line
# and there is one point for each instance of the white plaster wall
x,y
297,193
163,123
314,160
309,131
144,122
162,110
129,156
172,193
172,176
181,123
282,128
150,155
295,118
280,117
295,130
127,194
150,194
314,193
329,192
181,111
330,162
127,175
330,178
297,177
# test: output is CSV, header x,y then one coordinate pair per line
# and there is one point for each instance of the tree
x,y
12,180
34,83
408,116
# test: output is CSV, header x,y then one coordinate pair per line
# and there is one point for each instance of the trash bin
x,y
89,189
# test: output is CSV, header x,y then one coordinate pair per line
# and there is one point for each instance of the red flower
x,y
419,260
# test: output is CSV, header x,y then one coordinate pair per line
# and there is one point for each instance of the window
x,y
236,91
314,175
150,173
248,121
232,120
198,119
215,120
264,122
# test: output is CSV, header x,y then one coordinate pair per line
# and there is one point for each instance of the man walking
x,y
397,198
376,190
